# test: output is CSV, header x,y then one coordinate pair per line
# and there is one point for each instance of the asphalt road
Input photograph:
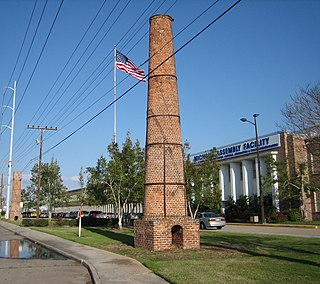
x,y
272,230
49,271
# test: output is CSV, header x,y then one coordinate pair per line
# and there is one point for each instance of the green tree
x,y
29,198
96,185
120,180
202,184
52,191
293,189
83,195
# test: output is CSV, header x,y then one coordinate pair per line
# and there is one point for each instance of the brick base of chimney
x,y
165,233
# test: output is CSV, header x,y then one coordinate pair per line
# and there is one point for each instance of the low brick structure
x,y
165,223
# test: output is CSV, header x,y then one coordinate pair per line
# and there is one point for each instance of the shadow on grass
x,y
256,246
117,236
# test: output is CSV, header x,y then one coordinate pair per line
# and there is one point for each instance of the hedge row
x,y
86,221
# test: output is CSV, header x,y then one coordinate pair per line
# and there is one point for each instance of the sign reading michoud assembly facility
x,y
242,148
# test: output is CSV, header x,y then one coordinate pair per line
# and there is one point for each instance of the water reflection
x,y
26,249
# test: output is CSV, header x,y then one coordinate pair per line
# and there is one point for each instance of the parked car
x,y
71,214
102,215
44,215
58,214
136,216
33,214
211,220
105,215
27,214
54,214
93,214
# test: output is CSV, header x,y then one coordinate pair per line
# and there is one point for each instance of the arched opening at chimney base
x,y
177,236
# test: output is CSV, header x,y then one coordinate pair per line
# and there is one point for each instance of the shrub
x,y
63,222
99,222
293,215
280,217
34,222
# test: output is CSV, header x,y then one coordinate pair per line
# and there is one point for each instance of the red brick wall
x,y
294,153
164,178
156,234
165,191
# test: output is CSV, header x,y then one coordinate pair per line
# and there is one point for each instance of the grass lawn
x,y
223,257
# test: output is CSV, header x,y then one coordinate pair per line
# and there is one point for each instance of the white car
x,y
211,220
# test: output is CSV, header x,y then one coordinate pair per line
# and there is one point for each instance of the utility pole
x,y
11,147
1,192
41,128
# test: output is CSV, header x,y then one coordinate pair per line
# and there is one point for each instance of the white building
x,y
239,166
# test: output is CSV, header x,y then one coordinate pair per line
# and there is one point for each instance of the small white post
x,y
80,217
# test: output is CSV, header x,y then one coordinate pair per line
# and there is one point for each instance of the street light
x,y
262,221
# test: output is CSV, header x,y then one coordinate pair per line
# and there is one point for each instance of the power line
x,y
70,57
18,57
109,28
132,87
40,55
119,83
31,44
74,51
42,50
66,105
78,129
78,61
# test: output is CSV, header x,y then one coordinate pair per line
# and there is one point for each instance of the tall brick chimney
x,y
165,223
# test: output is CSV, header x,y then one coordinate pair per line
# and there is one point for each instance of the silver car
x,y
211,220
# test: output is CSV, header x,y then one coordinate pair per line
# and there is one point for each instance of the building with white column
x,y
239,167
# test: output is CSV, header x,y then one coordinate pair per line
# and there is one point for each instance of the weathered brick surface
x,y
165,223
294,153
157,234
15,210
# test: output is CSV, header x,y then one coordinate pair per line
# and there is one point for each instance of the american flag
x,y
125,64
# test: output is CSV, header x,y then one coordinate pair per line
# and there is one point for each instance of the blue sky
x,y
250,61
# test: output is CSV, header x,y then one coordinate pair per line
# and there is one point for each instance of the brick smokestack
x,y
164,180
165,223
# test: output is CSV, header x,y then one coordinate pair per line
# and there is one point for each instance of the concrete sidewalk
x,y
104,266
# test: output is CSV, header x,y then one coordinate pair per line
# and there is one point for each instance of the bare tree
x,y
302,116
302,113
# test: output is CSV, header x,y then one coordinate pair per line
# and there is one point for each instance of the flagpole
x,y
115,98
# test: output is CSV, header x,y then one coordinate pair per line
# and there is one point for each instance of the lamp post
x,y
254,123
